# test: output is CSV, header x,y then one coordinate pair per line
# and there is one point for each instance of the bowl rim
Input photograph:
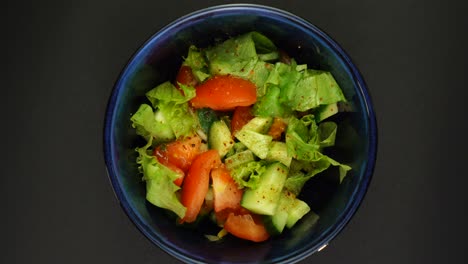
x,y
358,194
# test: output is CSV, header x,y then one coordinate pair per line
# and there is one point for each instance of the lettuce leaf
x,y
328,90
306,89
248,56
180,118
270,105
196,60
304,140
248,174
160,187
168,93
297,179
232,55
327,133
244,56
263,45
151,125
173,117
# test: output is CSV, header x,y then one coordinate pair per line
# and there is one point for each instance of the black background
x,y
62,59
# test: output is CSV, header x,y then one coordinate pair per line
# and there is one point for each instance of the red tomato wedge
x,y
242,115
227,195
221,216
224,92
185,76
247,226
180,153
196,183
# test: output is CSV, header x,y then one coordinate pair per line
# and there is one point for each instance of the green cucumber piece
x,y
258,124
276,223
238,147
278,151
206,117
264,199
256,142
220,138
239,159
296,211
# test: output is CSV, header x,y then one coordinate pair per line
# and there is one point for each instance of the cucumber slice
x,y
297,210
239,159
206,117
276,223
289,211
220,138
264,199
258,124
278,151
256,142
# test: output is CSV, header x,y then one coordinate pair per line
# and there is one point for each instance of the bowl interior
x,y
158,60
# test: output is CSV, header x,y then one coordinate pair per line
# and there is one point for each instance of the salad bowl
x,y
158,60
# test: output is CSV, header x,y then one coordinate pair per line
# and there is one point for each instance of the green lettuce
x,y
197,62
303,89
292,87
234,53
270,105
173,117
160,187
281,88
168,93
244,56
248,174
304,140
327,134
308,169
151,125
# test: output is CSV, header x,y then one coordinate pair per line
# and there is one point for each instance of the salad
x,y
236,136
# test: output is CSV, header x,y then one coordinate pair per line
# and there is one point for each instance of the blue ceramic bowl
x,y
158,60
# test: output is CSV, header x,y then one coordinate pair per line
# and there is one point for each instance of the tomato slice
x,y
227,194
222,215
225,92
246,226
196,183
180,153
242,115
186,77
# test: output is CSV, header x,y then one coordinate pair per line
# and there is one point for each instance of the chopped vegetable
x,y
247,226
180,153
160,187
242,115
186,77
237,135
224,92
227,194
196,183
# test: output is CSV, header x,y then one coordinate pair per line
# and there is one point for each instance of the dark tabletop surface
x,y
62,61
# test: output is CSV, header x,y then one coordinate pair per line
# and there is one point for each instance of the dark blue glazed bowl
x,y
158,60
